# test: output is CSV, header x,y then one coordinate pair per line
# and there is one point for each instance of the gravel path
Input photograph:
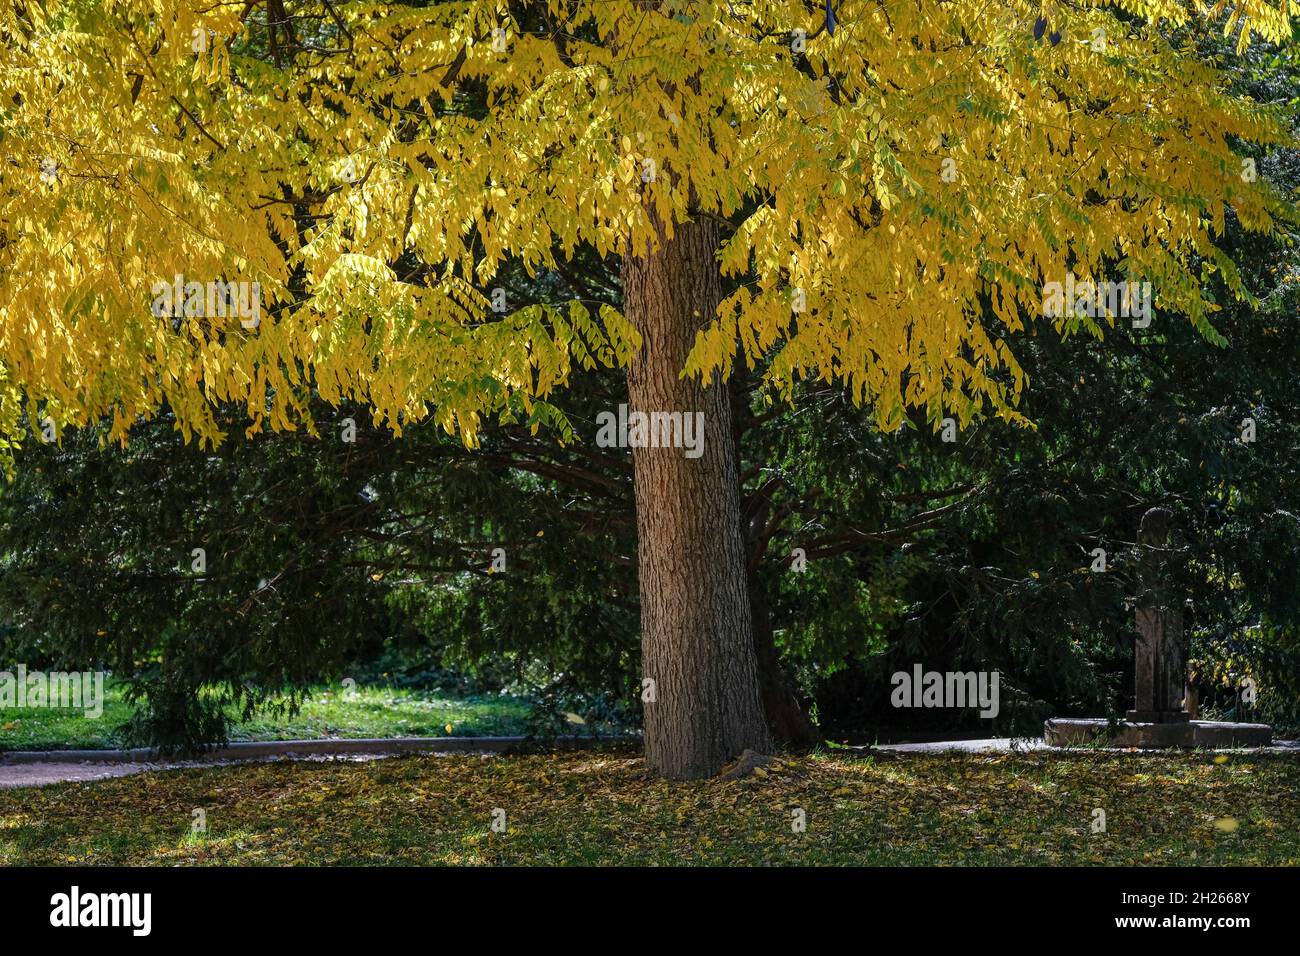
x,y
39,774
1001,744
1009,744
48,772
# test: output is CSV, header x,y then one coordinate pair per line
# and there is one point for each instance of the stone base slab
x,y
1210,734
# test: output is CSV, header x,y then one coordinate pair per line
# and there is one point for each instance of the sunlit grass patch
x,y
366,711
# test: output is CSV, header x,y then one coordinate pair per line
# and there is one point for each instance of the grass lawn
x,y
331,712
603,808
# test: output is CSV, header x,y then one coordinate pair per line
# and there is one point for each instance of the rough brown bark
x,y
697,643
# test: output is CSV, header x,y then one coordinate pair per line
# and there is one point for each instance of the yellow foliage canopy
x,y
901,189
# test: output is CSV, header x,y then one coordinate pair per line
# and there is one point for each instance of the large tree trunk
x,y
697,643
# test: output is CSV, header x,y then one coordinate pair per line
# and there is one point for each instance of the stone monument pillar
x,y
1158,673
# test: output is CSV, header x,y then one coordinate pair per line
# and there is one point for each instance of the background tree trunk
x,y
787,720
697,634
